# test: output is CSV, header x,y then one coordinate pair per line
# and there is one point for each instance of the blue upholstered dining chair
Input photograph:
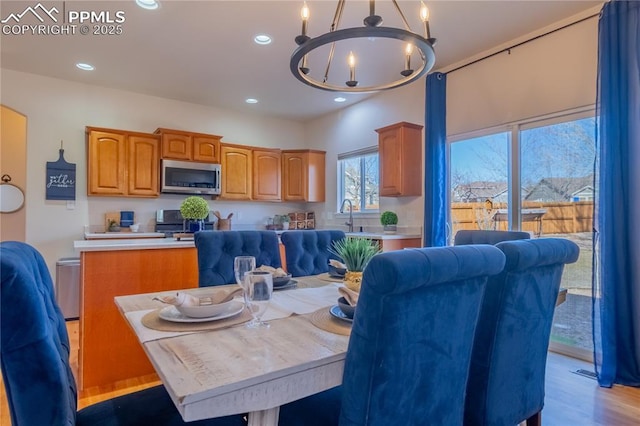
x,y
307,252
408,356
218,249
34,356
506,380
471,236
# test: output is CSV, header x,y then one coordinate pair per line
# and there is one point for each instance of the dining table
x,y
219,368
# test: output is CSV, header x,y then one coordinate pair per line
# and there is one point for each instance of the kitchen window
x,y
358,179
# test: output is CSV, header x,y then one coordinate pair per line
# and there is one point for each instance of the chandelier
x,y
413,45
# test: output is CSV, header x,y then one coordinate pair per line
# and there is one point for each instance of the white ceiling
x,y
203,51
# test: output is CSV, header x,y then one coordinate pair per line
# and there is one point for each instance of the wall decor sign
x,y
61,179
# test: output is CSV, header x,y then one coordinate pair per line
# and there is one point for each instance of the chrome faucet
x,y
350,222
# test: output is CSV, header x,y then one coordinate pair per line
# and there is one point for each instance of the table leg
x,y
264,417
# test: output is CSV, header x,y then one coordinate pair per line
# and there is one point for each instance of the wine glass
x,y
258,287
242,265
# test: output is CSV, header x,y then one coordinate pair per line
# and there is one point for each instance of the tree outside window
x,y
358,181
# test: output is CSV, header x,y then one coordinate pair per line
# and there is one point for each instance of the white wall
x,y
354,128
59,110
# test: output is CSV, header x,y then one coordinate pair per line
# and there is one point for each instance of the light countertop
x,y
130,244
382,236
121,235
138,243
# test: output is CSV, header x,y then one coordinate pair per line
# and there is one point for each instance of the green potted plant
x,y
355,253
389,220
194,210
284,220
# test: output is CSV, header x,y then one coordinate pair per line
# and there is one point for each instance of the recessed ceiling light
x,y
340,99
262,39
85,67
251,101
148,4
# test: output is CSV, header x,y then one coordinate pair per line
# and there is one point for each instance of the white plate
x,y
337,313
170,313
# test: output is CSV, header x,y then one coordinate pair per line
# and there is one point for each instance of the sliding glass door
x,y
535,176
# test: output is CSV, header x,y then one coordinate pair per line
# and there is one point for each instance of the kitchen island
x,y
109,350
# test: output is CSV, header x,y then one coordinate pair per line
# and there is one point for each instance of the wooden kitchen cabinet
x,y
236,172
303,175
189,146
267,174
122,163
400,151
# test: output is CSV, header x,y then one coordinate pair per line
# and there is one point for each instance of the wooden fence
x,y
559,217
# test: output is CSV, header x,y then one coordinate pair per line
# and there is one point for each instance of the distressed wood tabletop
x,y
244,370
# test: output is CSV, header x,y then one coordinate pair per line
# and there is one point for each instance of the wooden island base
x,y
109,350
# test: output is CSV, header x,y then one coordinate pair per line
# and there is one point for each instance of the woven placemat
x,y
153,321
325,321
326,277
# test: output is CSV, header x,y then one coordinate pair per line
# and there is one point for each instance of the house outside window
x,y
358,179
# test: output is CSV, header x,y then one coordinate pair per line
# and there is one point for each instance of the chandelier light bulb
x,y
408,50
352,70
424,12
305,18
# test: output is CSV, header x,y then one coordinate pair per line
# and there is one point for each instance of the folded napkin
x,y
349,295
276,272
337,264
185,299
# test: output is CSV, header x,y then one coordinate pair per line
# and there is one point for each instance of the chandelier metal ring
x,y
423,46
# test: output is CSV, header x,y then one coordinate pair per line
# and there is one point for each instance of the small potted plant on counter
x,y
194,210
284,219
355,252
389,221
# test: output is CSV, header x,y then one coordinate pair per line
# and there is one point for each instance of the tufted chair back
x,y
506,380
34,345
408,356
468,236
34,356
307,252
218,249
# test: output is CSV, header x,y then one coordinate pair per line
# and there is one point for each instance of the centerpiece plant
x,y
355,253
194,209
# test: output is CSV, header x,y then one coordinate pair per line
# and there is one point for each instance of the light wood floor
x,y
571,399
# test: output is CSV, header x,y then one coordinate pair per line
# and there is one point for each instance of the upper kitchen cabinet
x,y
267,174
303,175
236,172
122,163
400,150
189,146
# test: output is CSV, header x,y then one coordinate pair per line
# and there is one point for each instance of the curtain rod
x,y
508,49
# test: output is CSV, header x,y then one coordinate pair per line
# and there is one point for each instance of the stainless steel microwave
x,y
186,177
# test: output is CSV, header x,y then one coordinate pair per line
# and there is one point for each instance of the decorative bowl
x,y
205,311
346,308
337,272
282,280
